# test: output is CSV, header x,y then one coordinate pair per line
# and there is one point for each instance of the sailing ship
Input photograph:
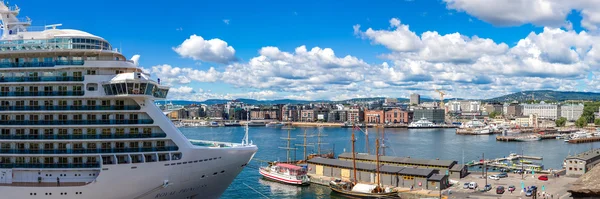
x,y
287,172
361,190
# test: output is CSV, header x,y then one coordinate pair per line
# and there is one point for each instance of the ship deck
x,y
45,184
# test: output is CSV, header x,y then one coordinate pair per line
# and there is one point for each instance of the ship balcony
x,y
40,64
41,93
69,108
86,151
77,122
82,137
49,166
42,79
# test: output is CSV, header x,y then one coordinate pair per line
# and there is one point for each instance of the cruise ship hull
x,y
145,181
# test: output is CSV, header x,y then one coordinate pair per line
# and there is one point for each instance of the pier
x,y
584,140
514,138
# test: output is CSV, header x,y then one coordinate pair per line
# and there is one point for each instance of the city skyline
x,y
304,51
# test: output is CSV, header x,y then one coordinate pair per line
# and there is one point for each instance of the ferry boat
x,y
423,123
78,120
285,173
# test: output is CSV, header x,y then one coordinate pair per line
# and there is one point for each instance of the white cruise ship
x,y
78,120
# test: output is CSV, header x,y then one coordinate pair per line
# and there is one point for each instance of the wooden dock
x,y
584,140
514,138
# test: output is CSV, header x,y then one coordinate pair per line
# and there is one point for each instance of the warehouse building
x,y
448,167
577,165
390,175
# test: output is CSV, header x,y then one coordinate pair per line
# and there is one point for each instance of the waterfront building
x,y
333,116
415,99
397,115
437,116
514,110
177,113
265,113
450,167
237,113
374,116
289,113
321,113
579,164
354,115
79,120
430,105
490,108
542,110
215,111
454,106
571,111
343,115
394,176
307,115
194,111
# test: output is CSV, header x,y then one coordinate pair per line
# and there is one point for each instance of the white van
x,y
473,185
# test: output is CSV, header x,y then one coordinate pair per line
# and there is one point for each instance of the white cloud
x,y
226,21
213,50
551,13
169,74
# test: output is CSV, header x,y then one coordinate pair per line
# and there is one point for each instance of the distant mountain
x,y
546,95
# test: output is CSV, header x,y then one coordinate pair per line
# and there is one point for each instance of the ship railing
x,y
48,166
86,136
41,93
40,64
41,79
86,151
207,143
68,108
77,122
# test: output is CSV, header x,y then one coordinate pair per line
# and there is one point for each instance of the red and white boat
x,y
285,173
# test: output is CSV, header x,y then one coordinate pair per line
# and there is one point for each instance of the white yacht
x,y
78,120
422,123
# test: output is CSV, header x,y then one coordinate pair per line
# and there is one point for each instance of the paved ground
x,y
554,186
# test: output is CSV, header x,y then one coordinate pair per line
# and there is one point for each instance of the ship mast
x,y
353,156
383,141
288,147
305,144
319,143
377,160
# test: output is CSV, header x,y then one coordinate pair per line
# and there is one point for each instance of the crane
x,y
441,97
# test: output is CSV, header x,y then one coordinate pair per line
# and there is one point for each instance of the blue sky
x,y
475,48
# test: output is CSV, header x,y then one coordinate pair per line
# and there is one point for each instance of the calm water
x,y
417,143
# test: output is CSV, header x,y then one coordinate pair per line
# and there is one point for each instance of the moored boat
x,y
285,173
528,138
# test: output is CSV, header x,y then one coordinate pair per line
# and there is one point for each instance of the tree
x,y
560,122
581,122
494,114
597,122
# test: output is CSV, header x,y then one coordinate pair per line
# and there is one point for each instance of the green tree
x,y
560,122
494,114
597,122
581,122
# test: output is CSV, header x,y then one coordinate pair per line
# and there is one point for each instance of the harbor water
x,y
416,143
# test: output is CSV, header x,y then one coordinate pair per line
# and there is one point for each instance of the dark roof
x,y
373,167
588,155
436,177
401,160
588,184
457,167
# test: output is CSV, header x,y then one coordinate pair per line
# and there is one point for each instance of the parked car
x,y
511,188
504,170
519,171
533,188
543,178
529,193
500,190
466,186
473,185
487,187
494,177
503,175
